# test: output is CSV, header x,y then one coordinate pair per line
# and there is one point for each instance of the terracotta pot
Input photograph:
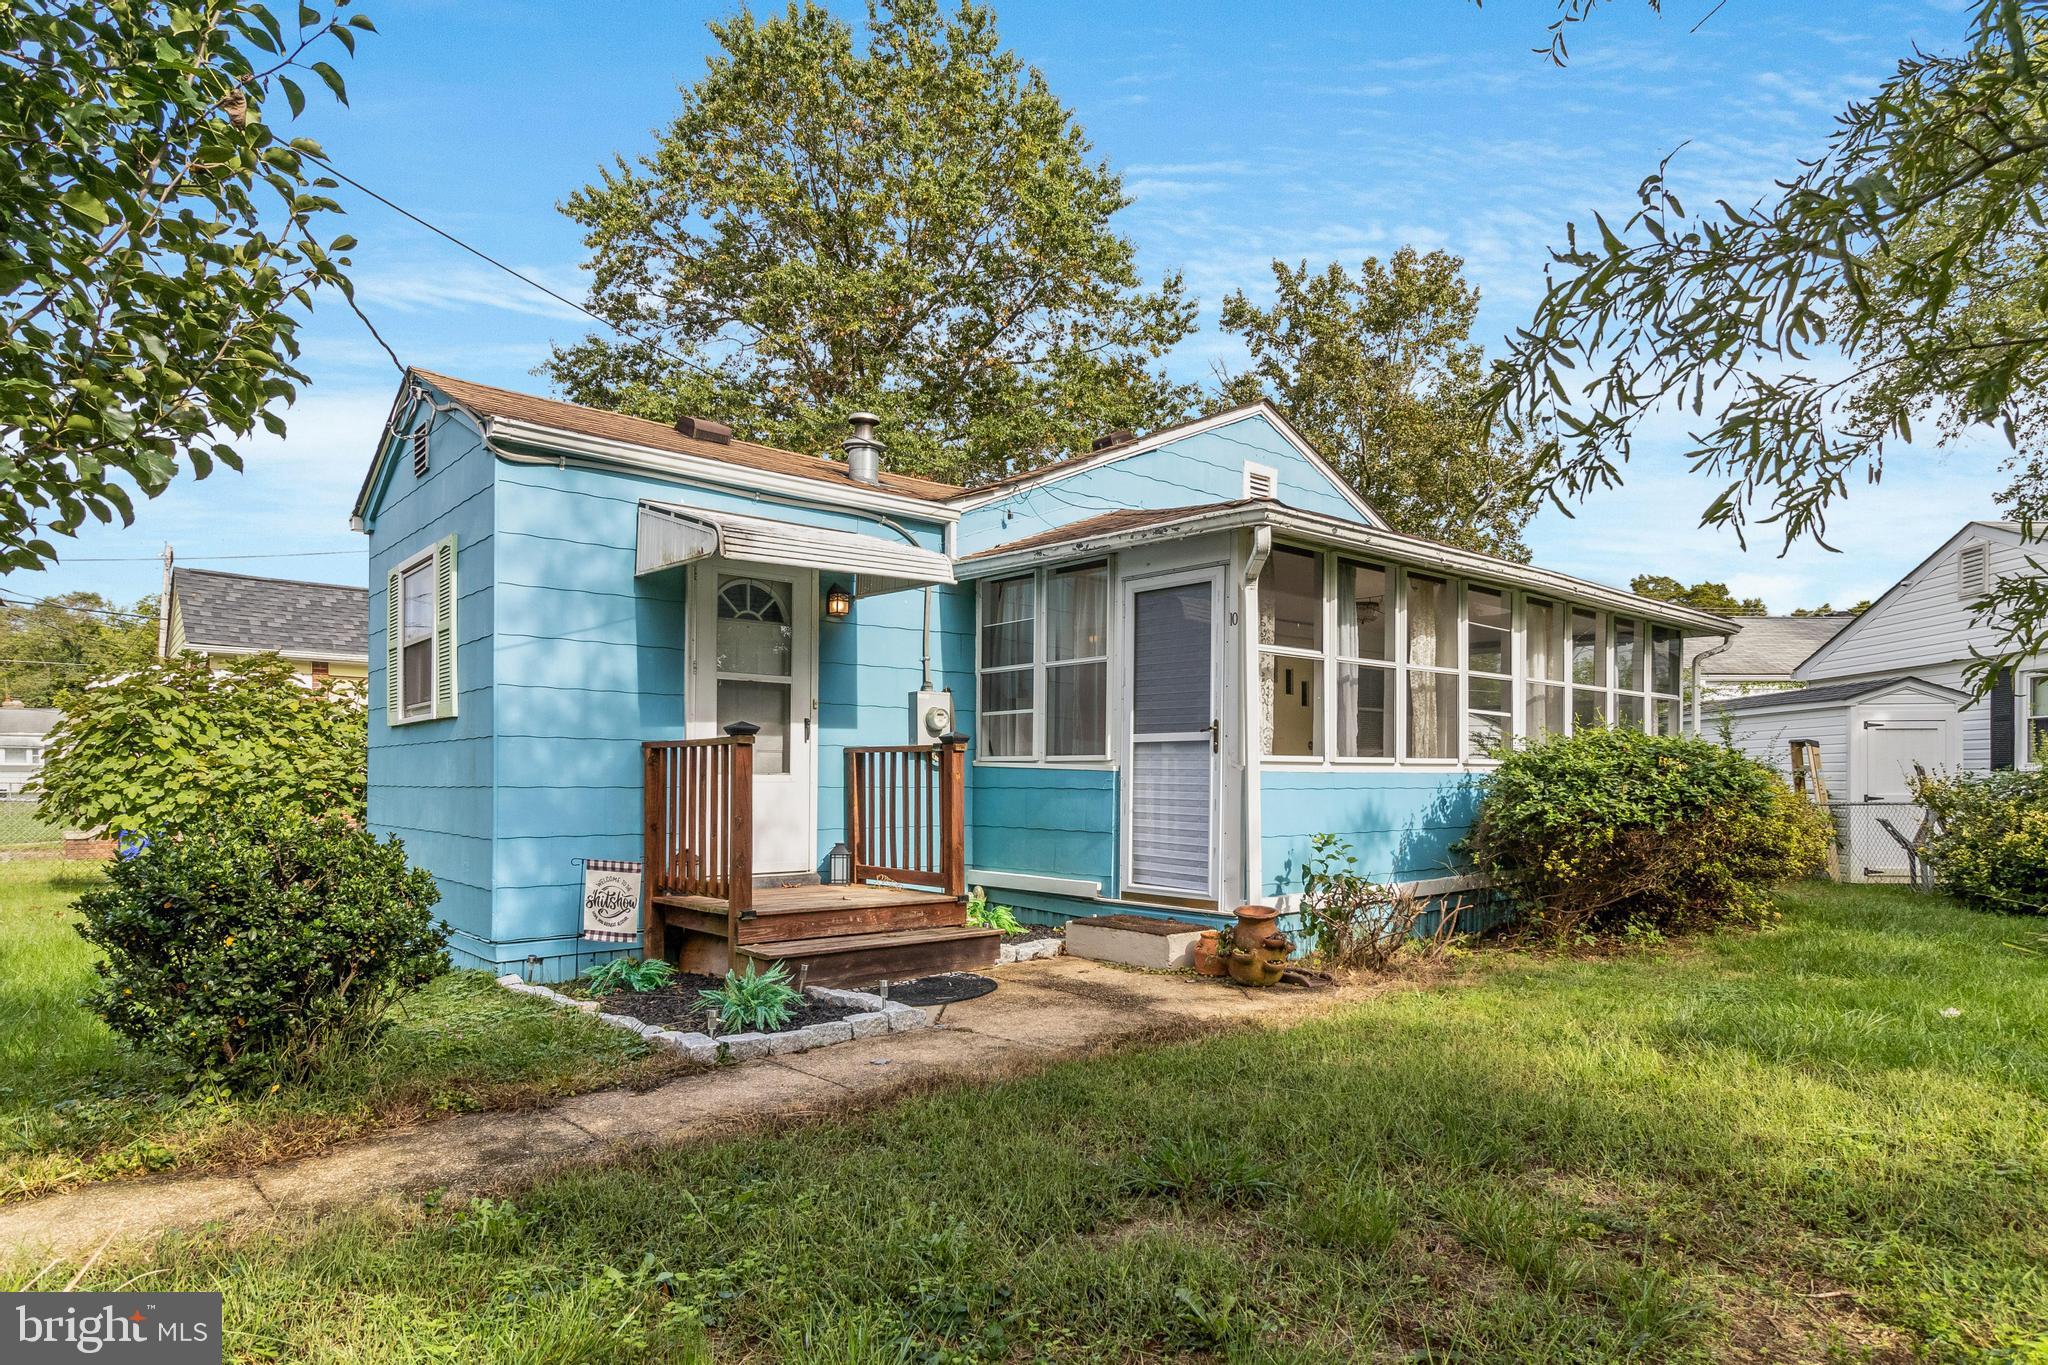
x,y
1260,965
1255,924
1209,954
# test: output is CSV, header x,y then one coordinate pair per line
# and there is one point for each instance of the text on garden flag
x,y
611,900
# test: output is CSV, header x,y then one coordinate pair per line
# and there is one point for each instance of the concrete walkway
x,y
1042,1012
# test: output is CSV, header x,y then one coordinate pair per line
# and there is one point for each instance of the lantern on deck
x,y
839,865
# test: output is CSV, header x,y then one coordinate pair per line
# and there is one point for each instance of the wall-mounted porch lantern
x,y
838,603
839,865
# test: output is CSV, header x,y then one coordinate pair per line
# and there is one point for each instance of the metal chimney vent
x,y
863,451
704,429
1122,436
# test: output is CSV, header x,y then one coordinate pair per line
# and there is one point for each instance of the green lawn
x,y
1766,1147
76,1104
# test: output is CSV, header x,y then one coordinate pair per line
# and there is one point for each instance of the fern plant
x,y
628,974
984,914
753,1000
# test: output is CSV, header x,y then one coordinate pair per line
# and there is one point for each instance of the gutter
x,y
1697,660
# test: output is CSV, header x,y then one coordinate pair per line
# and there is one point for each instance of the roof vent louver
x,y
419,452
704,429
1973,571
1261,481
1110,439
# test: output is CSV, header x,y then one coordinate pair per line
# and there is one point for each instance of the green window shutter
x,y
444,628
394,709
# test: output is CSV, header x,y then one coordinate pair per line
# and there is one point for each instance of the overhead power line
x,y
515,273
23,600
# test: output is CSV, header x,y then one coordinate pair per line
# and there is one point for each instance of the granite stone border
x,y
1006,953
876,1016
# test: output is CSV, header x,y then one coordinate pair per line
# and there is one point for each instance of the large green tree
x,y
912,223
1379,371
1892,281
1705,596
62,643
159,245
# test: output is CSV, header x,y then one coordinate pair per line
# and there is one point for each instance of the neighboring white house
x,y
22,729
1888,688
1762,656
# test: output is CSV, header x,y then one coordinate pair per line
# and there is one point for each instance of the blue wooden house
x,y
1139,679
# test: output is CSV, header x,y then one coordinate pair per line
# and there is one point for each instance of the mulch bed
x,y
1033,933
675,1006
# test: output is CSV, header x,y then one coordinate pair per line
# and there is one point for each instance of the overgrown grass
x,y
76,1104
1772,1146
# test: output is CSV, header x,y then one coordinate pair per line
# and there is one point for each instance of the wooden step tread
x,y
856,943
779,900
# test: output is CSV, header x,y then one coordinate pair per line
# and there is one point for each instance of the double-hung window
x,y
1667,669
1291,651
1543,651
419,637
1589,669
1009,667
1365,660
1630,674
1077,662
1044,665
1489,670
1432,667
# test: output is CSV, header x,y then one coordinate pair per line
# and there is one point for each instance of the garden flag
x,y
611,900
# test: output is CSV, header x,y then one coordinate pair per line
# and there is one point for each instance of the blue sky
x,y
1244,133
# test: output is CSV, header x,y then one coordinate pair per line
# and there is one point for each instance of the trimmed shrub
x,y
1990,844
1612,830
260,953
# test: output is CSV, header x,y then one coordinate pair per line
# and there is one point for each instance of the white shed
x,y
1871,734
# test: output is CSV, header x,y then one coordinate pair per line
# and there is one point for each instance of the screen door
x,y
1173,733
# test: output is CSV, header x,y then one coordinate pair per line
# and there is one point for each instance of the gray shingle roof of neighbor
x,y
1822,693
28,720
239,611
1768,646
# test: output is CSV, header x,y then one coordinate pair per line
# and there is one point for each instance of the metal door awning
x,y
670,535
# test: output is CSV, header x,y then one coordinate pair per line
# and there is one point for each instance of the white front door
x,y
754,658
1173,625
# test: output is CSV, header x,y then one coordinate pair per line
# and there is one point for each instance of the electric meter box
x,y
931,715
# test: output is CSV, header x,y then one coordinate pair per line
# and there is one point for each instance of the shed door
x,y
1893,747
1172,772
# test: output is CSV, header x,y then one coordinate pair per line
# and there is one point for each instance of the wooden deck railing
x,y
906,814
700,818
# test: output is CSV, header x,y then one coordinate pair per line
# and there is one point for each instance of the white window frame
x,y
1317,660
1040,668
1330,659
408,640
397,711
2023,716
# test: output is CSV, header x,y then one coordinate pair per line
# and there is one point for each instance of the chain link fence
x,y
22,832
1878,841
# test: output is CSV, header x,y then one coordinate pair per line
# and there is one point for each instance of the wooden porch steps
x,y
883,955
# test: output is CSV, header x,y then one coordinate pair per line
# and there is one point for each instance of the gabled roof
x,y
1769,646
1179,431
28,720
488,401
1822,694
2007,531
232,611
1114,530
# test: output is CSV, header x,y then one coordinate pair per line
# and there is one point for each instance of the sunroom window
x,y
1044,666
1489,662
1009,614
1365,661
1589,669
1629,674
1432,667
1543,666
1077,662
1290,651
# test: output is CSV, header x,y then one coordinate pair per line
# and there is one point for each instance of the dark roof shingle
x,y
1821,693
240,611
1768,646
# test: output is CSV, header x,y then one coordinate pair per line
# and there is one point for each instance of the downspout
x,y
1697,660
1251,820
